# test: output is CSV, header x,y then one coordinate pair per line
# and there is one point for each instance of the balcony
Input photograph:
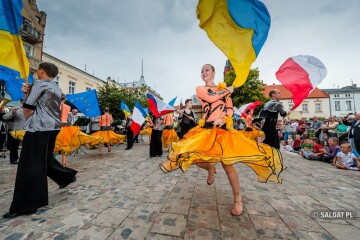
x,y
31,34
33,63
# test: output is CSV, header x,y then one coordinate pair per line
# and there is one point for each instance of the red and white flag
x,y
158,107
138,118
300,75
244,108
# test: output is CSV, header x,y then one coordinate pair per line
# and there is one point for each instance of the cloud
x,y
112,36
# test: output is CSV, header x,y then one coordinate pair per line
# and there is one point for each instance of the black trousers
x,y
129,138
271,135
155,143
35,164
14,146
2,141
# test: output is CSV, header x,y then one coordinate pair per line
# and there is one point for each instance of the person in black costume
x,y
129,134
270,113
156,134
187,118
42,110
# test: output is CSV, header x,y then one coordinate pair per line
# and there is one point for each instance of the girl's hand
x,y
26,88
219,122
230,89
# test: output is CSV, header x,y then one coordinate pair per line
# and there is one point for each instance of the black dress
x,y
187,123
271,112
155,142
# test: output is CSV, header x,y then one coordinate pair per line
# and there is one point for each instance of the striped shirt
x,y
45,100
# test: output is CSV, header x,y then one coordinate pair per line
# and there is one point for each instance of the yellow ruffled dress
x,y
69,139
146,131
109,136
228,146
169,136
254,134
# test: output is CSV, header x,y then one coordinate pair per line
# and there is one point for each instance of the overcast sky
x,y
112,36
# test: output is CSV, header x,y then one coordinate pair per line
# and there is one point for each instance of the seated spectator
x,y
290,141
317,150
297,143
306,147
332,151
346,159
285,147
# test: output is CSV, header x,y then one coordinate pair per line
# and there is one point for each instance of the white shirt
x,y
346,159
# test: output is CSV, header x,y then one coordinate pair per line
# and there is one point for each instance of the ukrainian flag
x,y
239,28
14,65
125,109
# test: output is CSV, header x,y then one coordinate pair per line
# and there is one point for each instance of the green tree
x,y
251,91
110,95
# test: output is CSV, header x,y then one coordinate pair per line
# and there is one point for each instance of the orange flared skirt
x,y
109,136
169,136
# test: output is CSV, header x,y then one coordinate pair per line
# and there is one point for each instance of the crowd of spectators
x,y
330,140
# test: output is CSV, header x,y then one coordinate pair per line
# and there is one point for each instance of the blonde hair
x,y
346,144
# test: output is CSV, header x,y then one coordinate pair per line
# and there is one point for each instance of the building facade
x,y
32,33
71,79
344,101
316,104
135,85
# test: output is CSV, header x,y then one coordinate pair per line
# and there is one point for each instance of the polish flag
x,y
242,110
138,118
300,75
158,107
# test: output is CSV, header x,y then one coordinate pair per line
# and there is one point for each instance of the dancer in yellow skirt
x,y
108,136
212,142
252,131
169,135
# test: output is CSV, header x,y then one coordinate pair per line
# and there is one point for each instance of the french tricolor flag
x,y
138,118
300,75
158,107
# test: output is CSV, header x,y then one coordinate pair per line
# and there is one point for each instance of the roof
x,y
339,90
286,94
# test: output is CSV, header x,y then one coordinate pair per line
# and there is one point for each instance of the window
x,y
72,86
337,106
28,50
88,89
347,95
317,107
337,95
305,107
348,105
57,79
291,105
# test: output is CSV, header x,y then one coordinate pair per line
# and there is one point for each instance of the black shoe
x,y
127,148
14,215
15,162
67,184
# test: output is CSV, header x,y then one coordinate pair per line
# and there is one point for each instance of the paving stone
x,y
128,201
146,211
177,206
312,235
154,236
203,218
204,202
90,231
225,215
340,231
300,221
131,229
156,197
170,224
201,234
233,230
179,192
111,217
271,227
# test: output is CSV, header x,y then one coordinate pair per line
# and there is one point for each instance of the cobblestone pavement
x,y
124,195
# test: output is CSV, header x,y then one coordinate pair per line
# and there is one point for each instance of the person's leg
x,y
211,171
100,148
14,155
63,159
235,185
109,147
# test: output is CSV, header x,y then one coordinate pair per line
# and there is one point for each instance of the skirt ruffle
x,y
109,137
146,131
69,139
254,134
218,145
169,136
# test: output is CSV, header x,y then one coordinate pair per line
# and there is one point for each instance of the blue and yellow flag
x,y
125,109
85,102
14,66
239,28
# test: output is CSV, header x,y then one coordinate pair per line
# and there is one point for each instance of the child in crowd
x,y
316,152
332,151
345,159
297,143
306,147
290,141
285,147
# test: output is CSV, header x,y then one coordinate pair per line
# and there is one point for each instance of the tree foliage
x,y
251,91
110,95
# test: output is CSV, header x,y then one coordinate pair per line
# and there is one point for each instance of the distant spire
x,y
85,67
142,78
